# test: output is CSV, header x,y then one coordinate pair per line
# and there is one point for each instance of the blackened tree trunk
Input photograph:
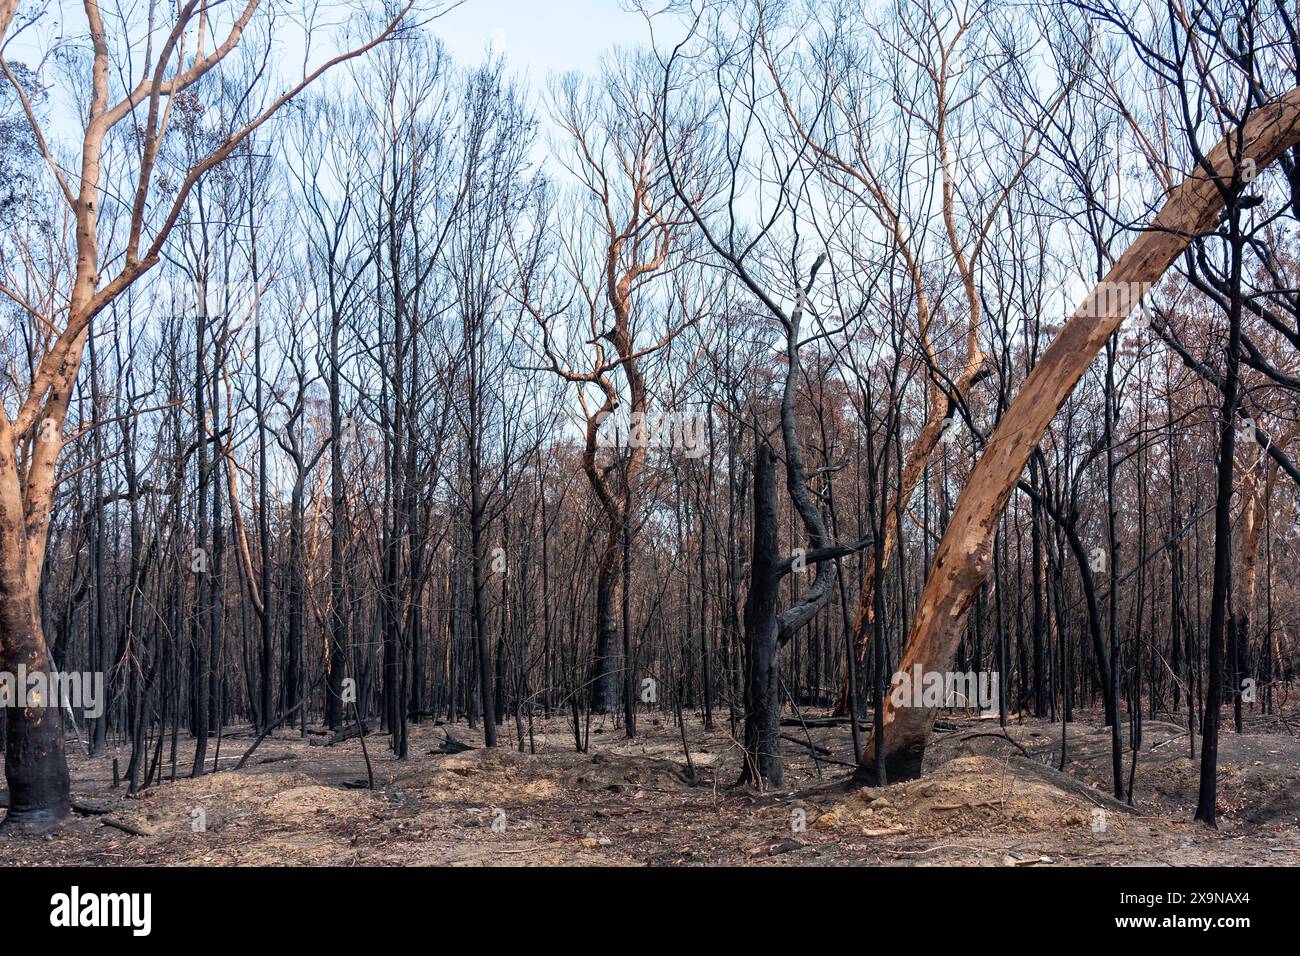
x,y
338,606
629,664
35,767
265,616
1039,625
293,674
1069,525
604,687
99,617
481,637
1207,797
762,674
201,643
1112,549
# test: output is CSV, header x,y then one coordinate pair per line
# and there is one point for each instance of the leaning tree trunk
x,y
962,559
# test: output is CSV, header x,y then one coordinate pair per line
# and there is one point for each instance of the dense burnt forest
x,y
806,396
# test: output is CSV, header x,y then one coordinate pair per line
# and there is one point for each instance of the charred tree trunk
x,y
763,764
337,663
1207,797
35,766
487,697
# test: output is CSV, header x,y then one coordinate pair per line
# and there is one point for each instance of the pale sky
x,y
540,37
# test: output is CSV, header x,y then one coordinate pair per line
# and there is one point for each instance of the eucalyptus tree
x,y
1191,209
140,91
628,228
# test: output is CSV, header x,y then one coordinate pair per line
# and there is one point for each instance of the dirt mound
x,y
615,773
299,802
486,776
242,801
232,784
967,792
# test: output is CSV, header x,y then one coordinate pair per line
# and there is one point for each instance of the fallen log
x,y
125,827
269,728
821,722
346,734
451,745
815,748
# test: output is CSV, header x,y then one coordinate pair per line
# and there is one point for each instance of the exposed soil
x,y
983,801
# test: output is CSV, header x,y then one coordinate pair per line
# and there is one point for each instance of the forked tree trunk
x,y
962,559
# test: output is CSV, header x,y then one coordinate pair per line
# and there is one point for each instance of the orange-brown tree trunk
x,y
926,442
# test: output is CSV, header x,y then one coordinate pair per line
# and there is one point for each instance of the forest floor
x,y
982,801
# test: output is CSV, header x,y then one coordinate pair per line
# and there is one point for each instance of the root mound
x,y
966,793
